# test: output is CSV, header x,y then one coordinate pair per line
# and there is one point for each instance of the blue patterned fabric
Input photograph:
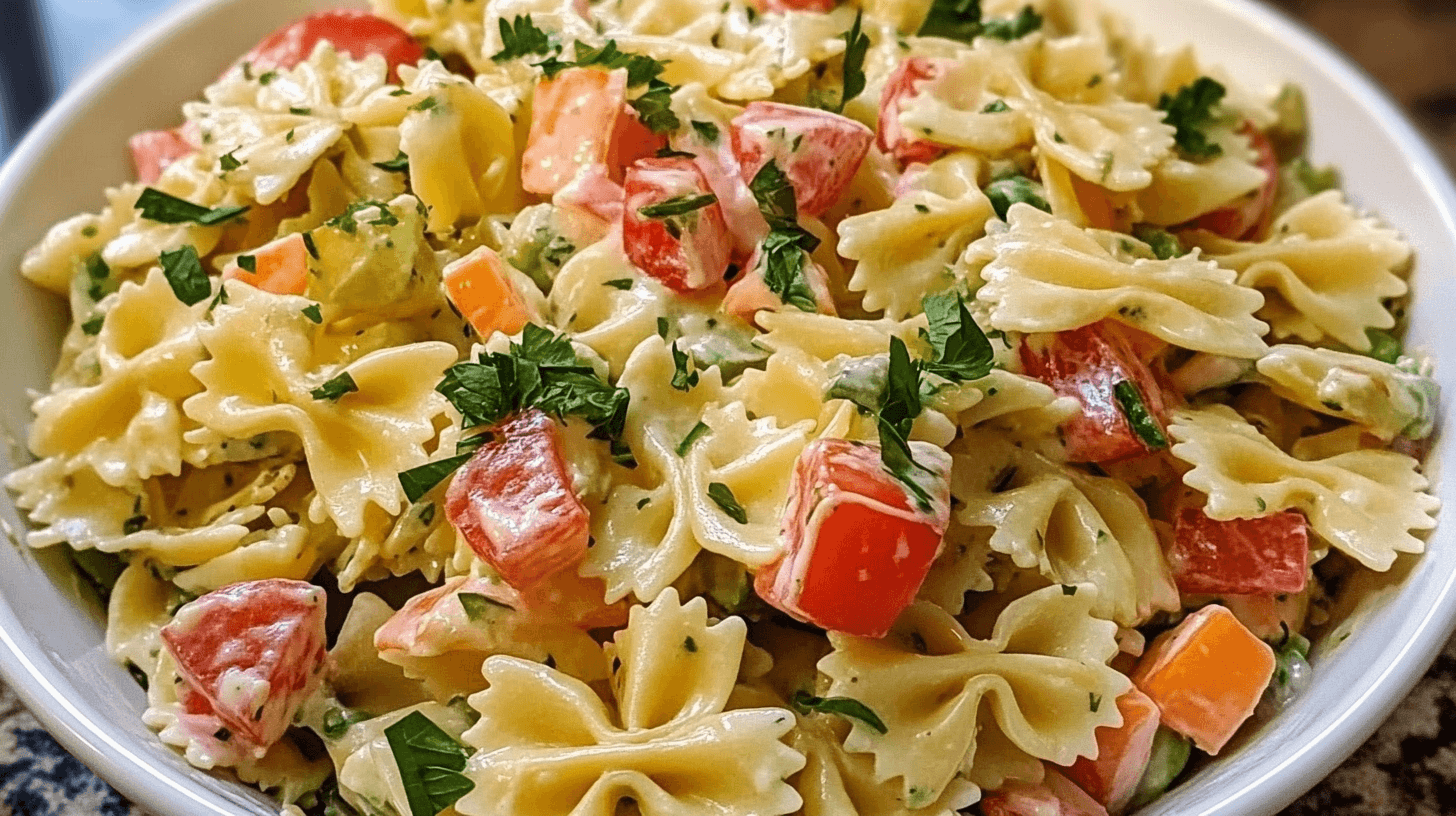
x,y
38,777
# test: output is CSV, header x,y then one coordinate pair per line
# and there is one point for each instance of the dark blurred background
x,y
1409,767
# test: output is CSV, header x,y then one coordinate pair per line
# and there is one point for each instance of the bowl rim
x,y
43,691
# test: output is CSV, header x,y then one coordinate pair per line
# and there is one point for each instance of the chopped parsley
x,y
247,263
134,524
421,480
521,38
846,707
722,496
1130,400
707,130
784,249
1094,701
999,106
399,163
430,763
679,205
960,350
335,388
640,69
683,375
301,111
1014,28
1314,179
961,20
699,431
479,607
1190,111
427,104
856,46
774,193
1016,189
309,245
338,721
654,108
619,283
228,162
313,313
349,223
93,325
169,209
183,270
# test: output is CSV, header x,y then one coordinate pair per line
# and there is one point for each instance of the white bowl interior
x,y
51,646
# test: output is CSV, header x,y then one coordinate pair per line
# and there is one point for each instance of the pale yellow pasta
x,y
1387,400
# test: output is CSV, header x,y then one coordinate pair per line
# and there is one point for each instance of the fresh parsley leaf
x,y
662,327
654,108
1025,22
169,209
953,19
619,283
1164,244
93,325
220,298
722,496
1314,179
183,270
267,77
301,111
683,375
1383,346
707,130
679,205
846,707
478,607
699,431
640,69
430,762
426,104
309,245
248,263
1190,112
228,162
1015,190
856,46
898,408
999,106
313,313
400,163
134,524
960,350
1094,701
783,259
335,388
348,219
521,38
1130,400
421,480
774,193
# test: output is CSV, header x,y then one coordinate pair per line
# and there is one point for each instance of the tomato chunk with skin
x,y
514,503
251,653
1248,218
353,32
1206,676
1255,556
153,151
687,250
856,546
1122,754
819,151
1087,364
481,288
905,82
280,267
580,120
1055,796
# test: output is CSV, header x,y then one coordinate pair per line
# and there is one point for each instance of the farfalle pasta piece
x,y
546,743
1182,190
1325,271
369,777
1386,400
262,376
1366,503
907,251
611,321
1046,275
1071,527
52,262
959,710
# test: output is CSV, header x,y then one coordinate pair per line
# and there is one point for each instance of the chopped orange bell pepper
x,y
1206,676
1122,753
481,289
280,267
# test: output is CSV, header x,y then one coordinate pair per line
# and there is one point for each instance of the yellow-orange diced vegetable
x,y
1122,753
1206,676
280,267
481,289
574,120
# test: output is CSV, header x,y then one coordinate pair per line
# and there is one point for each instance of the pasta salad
x,y
648,407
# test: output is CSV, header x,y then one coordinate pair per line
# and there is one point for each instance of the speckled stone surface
x,y
1407,769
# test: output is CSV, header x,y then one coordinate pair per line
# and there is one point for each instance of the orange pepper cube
x,y
280,267
480,287
1122,753
1206,676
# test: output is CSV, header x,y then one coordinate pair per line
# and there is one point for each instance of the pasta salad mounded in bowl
x,y
533,408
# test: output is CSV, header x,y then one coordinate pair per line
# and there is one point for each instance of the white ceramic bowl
x,y
51,645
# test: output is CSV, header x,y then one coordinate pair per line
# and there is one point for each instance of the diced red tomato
x,y
1122,754
750,294
687,252
280,267
353,32
713,153
904,83
819,151
514,503
856,546
634,141
1087,364
1055,796
1254,556
481,289
820,6
1247,219
153,151
251,653
1206,676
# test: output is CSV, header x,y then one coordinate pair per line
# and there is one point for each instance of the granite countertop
x,y
1407,769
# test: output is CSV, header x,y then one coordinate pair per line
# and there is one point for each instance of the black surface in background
x,y
25,82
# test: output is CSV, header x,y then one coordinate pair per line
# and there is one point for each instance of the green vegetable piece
x,y
430,762
338,720
774,193
1314,180
683,376
1164,244
93,324
1130,400
1025,22
400,163
99,570
722,495
1190,112
522,38
421,480
313,313
335,388
707,130
228,162
1384,346
699,431
183,270
847,707
856,46
622,284
953,19
1015,190
784,259
169,209
654,108
960,350
479,607
1170,756
679,205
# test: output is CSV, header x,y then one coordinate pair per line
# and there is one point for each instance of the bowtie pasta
x,y
718,407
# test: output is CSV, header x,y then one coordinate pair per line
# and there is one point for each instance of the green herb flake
x,y
135,524
430,762
398,164
313,313
699,431
301,111
1069,589
847,707
899,406
1261,504
479,607
680,205
521,38
784,272
1015,190
1165,245
683,375
427,514
1025,22
338,720
707,130
654,108
138,675
1384,346
92,326
183,270
421,480
641,69
427,104
267,77
999,106
641,503
228,162
169,209
309,245
856,46
1130,400
1191,111
662,327
1094,701
960,350
690,645
722,496
335,388
622,284
1313,179
774,193
247,263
